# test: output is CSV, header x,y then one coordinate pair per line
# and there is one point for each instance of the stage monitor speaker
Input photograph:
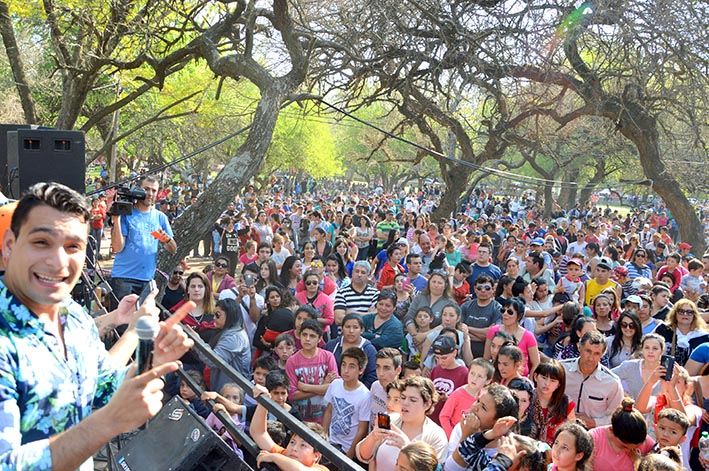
x,y
41,155
177,439
4,128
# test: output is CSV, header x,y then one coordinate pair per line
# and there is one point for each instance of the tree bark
x,y
641,128
18,69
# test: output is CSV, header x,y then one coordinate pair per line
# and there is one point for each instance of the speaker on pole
x,y
177,439
40,155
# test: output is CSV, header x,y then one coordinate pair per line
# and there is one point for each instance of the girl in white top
x,y
381,447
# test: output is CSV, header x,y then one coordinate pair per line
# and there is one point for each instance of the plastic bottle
x,y
704,446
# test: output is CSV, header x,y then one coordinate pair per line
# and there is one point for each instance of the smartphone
x,y
668,361
406,283
383,420
249,279
144,294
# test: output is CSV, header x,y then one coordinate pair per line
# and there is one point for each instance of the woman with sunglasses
x,y
220,279
626,341
683,331
231,343
512,314
637,266
313,296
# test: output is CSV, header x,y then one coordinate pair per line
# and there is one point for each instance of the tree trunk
x,y
641,129
456,179
235,175
548,199
567,195
18,69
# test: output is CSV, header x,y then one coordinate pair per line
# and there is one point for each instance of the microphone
x,y
147,329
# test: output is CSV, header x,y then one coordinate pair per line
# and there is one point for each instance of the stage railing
x,y
341,461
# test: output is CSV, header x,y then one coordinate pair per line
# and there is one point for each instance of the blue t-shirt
x,y
138,259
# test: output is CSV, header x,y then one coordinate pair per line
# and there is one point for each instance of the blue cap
x,y
538,241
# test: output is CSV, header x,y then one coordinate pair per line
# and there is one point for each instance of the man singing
x,y
53,367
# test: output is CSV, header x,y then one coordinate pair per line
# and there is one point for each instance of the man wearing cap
x,y
685,250
601,281
537,246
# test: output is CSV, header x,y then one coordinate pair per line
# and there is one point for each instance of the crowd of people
x,y
403,340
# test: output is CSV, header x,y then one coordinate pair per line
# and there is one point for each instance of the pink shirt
x,y
528,341
605,457
457,403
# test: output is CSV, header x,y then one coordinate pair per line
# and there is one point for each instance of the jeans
x,y
122,287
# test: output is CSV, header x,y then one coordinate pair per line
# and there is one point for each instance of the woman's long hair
x,y
234,318
208,300
617,344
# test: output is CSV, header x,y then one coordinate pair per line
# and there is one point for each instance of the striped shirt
x,y
348,298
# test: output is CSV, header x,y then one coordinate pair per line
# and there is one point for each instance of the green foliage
x,y
303,140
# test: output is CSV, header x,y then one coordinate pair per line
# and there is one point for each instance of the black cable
x,y
173,162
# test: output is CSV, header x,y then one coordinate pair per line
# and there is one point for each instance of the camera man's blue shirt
x,y
42,393
138,259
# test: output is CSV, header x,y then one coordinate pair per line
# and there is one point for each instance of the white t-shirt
x,y
378,402
349,408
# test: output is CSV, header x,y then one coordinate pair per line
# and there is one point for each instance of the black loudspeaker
x,y
177,439
41,155
4,128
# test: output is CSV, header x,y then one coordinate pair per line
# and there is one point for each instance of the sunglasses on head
x,y
221,265
521,385
484,287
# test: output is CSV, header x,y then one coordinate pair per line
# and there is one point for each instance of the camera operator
x,y
135,240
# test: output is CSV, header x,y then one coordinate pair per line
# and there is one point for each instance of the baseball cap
x,y
605,263
444,345
538,241
635,299
685,245
575,261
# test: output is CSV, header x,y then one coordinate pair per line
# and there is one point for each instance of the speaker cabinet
x,y
177,439
40,155
4,129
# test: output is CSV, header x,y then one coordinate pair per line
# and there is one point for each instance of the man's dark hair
x,y
148,178
56,196
356,354
264,245
411,256
484,278
537,259
267,363
313,325
276,379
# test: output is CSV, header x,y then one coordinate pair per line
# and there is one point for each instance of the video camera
x,y
126,197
